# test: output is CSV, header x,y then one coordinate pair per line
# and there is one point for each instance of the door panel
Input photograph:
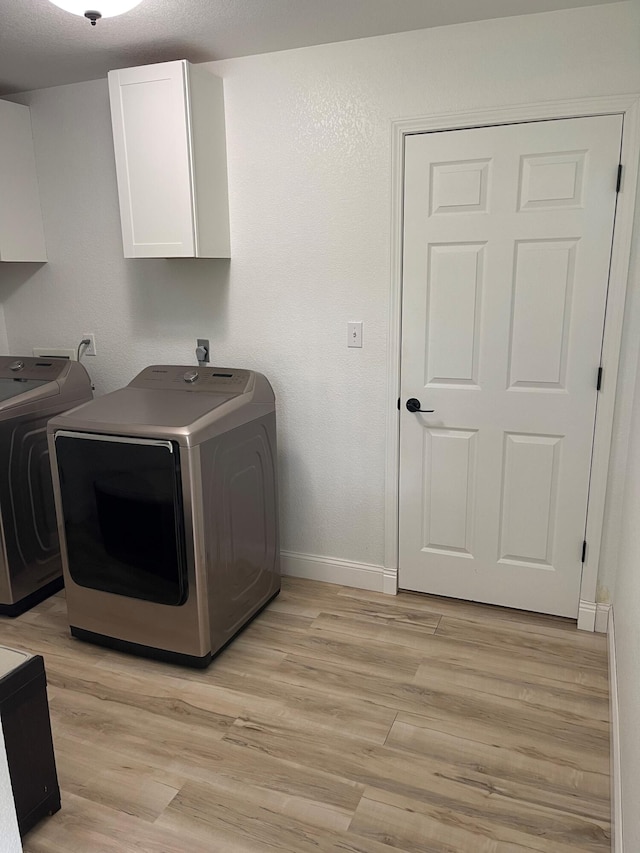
x,y
528,498
540,327
449,474
507,240
453,314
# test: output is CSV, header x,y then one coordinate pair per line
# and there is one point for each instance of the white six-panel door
x,y
507,241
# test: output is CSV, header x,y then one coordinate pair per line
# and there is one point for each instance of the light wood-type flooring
x,y
340,720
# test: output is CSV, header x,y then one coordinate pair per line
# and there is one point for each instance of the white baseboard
x,y
330,570
602,618
593,617
587,615
617,845
390,581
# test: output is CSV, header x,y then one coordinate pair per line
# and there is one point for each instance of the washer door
x,y
123,515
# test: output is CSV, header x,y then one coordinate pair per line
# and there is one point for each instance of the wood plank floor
x,y
340,720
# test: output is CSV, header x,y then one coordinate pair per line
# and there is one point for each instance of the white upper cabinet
x,y
171,161
21,232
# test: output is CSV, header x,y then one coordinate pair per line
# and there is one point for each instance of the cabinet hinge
x,y
619,178
584,551
599,382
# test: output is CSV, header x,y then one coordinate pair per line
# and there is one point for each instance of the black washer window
x,y
123,516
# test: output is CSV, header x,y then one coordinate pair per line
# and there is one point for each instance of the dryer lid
x,y
174,402
141,407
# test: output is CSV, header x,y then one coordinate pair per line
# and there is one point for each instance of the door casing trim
x,y
629,107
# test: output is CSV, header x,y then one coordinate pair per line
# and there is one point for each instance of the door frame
x,y
629,107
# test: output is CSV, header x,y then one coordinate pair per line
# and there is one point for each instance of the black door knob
x,y
414,405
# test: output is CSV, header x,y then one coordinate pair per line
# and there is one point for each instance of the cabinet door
x,y
150,117
21,232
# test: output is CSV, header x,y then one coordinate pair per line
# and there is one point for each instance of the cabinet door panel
x,y
150,120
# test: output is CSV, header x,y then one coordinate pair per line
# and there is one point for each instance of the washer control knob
x,y
16,365
190,376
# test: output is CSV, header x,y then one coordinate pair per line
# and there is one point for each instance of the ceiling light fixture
x,y
97,8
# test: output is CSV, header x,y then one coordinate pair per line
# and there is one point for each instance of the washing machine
x,y
32,390
167,502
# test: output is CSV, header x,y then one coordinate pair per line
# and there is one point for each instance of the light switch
x,y
354,333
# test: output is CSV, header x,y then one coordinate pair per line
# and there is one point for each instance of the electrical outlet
x,y
91,348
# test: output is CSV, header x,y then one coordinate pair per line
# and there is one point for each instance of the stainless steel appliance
x,y
166,493
32,390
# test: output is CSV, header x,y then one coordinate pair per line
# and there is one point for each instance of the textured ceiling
x,y
41,45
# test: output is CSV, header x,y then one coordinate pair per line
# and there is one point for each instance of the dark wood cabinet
x,y
24,715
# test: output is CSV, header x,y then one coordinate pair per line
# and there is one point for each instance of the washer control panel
x,y
216,380
43,369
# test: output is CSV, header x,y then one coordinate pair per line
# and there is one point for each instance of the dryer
x,y
167,500
32,390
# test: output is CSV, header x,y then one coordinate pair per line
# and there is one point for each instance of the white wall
x,y
626,597
309,165
626,609
4,343
622,427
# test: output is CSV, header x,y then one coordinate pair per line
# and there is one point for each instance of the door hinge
x,y
619,178
599,382
398,403
584,551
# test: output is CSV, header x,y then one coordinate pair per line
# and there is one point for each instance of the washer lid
x,y
24,379
26,382
10,388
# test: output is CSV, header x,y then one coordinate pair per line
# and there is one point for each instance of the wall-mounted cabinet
x,y
21,232
171,164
